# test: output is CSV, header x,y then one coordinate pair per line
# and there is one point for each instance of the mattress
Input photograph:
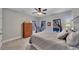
x,y
48,41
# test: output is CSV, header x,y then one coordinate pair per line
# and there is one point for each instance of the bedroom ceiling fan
x,y
39,11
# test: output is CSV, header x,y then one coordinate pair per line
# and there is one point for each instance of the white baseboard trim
x,y
14,38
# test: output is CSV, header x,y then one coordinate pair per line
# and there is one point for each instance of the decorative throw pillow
x,y
73,39
62,35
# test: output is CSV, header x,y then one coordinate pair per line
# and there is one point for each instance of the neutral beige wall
x,y
75,12
65,16
12,22
0,19
0,26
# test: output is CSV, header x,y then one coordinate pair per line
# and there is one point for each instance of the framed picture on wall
x,y
57,27
48,23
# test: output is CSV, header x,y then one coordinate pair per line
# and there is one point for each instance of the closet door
x,y
0,27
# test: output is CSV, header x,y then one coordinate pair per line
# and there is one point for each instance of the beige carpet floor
x,y
18,44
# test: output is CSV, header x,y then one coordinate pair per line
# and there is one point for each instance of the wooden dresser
x,y
27,30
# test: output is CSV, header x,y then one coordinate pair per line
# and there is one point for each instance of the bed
x,y
49,41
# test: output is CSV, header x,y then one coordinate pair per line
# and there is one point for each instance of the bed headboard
x,y
76,23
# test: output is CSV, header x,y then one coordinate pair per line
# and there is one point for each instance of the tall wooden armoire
x,y
27,30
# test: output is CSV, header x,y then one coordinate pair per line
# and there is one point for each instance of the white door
x,y
0,27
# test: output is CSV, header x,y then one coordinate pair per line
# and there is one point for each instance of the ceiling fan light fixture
x,y
39,13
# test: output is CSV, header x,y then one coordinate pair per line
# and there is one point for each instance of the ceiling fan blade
x,y
45,10
36,8
44,13
34,12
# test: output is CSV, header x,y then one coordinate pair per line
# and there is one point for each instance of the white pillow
x,y
62,34
73,39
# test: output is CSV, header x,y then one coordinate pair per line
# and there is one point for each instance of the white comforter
x,y
48,41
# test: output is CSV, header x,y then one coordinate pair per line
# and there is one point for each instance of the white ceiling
x,y
28,11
